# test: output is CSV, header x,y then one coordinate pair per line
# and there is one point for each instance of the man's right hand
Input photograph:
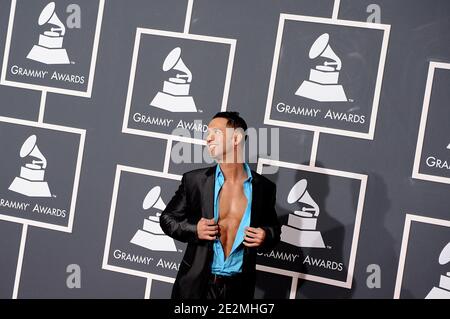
x,y
207,229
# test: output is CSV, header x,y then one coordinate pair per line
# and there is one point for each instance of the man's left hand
x,y
254,237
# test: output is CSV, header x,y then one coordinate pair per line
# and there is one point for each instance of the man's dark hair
x,y
234,120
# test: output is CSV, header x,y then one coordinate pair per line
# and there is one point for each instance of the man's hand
x,y
207,229
254,237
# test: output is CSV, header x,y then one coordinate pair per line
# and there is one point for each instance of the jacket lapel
x,y
255,194
208,193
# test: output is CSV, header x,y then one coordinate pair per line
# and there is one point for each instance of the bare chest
x,y
232,205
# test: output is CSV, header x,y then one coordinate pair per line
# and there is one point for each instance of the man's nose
x,y
209,137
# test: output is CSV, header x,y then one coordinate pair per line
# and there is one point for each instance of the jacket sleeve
x,y
271,226
176,218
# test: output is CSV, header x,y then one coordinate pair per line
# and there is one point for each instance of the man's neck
x,y
233,171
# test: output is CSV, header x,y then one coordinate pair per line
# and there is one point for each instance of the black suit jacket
x,y
193,200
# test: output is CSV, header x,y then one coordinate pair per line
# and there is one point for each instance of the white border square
x,y
139,32
401,263
87,93
82,133
105,264
315,128
423,123
355,238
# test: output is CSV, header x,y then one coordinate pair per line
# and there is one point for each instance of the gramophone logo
x,y
152,236
301,229
31,181
50,48
443,291
323,80
175,95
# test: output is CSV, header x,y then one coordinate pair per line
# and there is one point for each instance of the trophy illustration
x,y
301,229
31,180
152,236
443,291
50,48
175,95
323,80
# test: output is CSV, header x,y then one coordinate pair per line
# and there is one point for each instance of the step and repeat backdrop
x,y
104,105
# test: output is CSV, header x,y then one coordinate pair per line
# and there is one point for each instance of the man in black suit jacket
x,y
225,213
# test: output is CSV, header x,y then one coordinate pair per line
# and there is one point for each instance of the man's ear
x,y
238,136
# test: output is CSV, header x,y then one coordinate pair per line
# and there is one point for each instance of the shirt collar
x,y
219,173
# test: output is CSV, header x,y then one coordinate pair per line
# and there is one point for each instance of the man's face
x,y
219,139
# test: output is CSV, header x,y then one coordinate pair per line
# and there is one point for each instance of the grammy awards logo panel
x,y
177,81
319,83
320,214
432,160
135,239
52,45
424,267
40,167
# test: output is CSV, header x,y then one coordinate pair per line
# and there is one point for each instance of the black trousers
x,y
229,288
